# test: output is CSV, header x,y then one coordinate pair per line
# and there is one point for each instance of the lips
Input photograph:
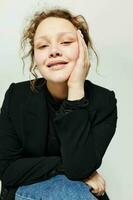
x,y
53,63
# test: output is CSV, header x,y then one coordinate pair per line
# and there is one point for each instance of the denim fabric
x,y
58,187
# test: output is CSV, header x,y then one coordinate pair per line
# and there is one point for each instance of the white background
x,y
111,28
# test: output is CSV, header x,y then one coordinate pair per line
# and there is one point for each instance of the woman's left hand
x,y
97,182
82,65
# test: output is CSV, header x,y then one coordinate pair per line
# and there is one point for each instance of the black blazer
x,y
24,129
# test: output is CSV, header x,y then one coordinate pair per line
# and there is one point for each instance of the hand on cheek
x,y
81,68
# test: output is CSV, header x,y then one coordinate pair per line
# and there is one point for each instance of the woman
x,y
55,130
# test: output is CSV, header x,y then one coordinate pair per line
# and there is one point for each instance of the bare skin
x,y
97,182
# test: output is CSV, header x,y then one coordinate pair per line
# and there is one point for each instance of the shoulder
x,y
96,89
22,88
100,97
20,92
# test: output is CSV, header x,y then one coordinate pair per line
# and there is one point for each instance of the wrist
x,y
75,93
78,85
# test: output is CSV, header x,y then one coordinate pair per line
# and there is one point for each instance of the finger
x,y
98,189
92,185
95,186
95,189
98,193
86,53
102,181
101,190
83,49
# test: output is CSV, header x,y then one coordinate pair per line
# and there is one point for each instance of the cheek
x,y
39,57
73,53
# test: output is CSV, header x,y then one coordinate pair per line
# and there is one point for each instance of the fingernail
x,y
79,31
81,34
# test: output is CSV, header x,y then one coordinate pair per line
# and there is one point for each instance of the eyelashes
x,y
64,43
44,46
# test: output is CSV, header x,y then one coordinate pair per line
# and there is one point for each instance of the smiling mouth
x,y
57,66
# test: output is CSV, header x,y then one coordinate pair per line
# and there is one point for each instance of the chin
x,y
57,76
59,79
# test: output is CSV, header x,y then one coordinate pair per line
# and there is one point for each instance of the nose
x,y
54,52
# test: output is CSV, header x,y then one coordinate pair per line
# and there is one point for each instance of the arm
x,y
15,169
84,134
84,143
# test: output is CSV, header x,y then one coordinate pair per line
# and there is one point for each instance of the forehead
x,y
53,25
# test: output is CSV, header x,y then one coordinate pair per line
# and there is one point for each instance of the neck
x,y
59,91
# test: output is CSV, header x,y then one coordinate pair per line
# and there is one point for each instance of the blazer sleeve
x,y
16,170
84,135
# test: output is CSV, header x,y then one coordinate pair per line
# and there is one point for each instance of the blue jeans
x,y
58,187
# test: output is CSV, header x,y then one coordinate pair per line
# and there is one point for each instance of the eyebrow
x,y
60,34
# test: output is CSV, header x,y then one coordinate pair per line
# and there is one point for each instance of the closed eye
x,y
42,47
66,42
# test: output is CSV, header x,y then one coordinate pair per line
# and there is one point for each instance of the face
x,y
55,49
